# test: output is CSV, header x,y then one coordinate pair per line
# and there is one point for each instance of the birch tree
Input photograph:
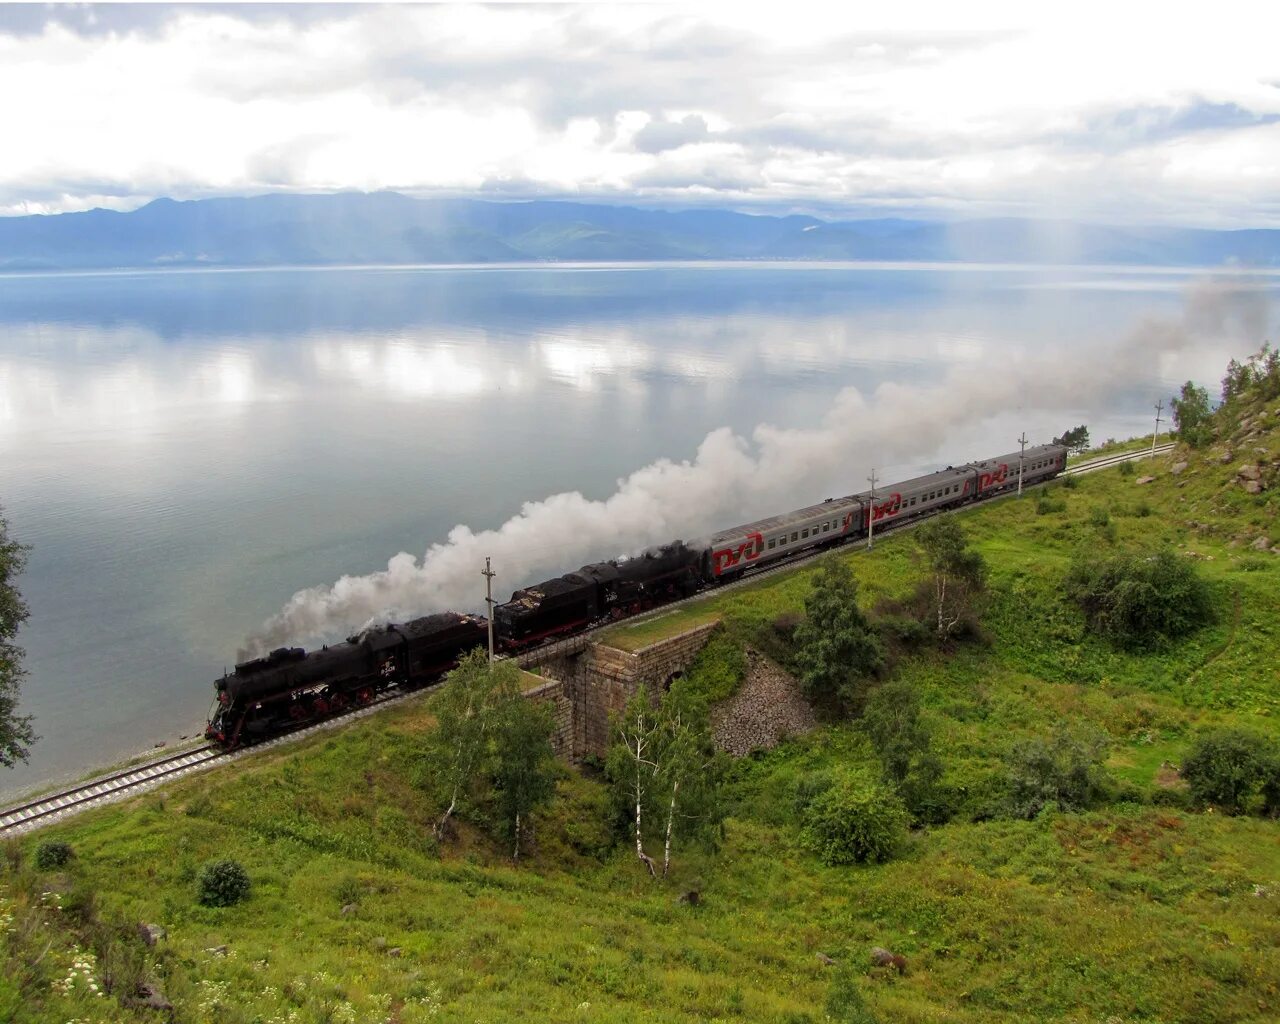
x,y
524,769
459,752
688,778
958,571
665,774
633,769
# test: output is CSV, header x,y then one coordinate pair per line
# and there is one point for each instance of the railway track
x,y
139,778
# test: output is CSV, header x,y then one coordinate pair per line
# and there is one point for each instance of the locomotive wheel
x,y
320,707
338,701
297,711
364,695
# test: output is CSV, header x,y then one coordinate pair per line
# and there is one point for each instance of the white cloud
x,y
1117,111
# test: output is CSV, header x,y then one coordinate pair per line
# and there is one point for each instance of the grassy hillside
x,y
1143,909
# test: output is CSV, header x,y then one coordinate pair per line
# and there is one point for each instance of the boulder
x,y
1261,544
217,950
395,951
1247,472
151,998
1227,456
1144,480
150,933
348,909
1252,487
826,960
1177,468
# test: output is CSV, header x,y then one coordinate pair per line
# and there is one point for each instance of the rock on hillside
x,y
767,708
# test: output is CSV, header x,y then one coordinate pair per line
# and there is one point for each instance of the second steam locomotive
x,y
290,686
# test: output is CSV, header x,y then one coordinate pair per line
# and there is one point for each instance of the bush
x,y
52,853
1066,769
1140,601
1126,469
1046,505
222,883
1070,481
1228,767
854,821
1099,516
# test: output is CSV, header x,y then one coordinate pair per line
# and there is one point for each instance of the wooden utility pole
x,y
1159,409
871,512
488,575
1022,454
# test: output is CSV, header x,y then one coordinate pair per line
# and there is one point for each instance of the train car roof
x,y
787,518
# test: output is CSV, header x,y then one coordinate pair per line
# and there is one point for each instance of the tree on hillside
x,y
1076,439
902,739
837,648
1258,377
469,710
523,774
665,775
632,767
958,571
16,735
1192,416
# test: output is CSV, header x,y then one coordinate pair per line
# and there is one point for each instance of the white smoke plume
x,y
731,479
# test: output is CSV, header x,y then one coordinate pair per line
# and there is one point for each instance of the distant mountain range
x,y
389,228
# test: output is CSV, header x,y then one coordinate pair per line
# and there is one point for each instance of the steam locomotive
x,y
290,687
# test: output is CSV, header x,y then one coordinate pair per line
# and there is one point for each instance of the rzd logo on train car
x,y
891,506
748,551
988,480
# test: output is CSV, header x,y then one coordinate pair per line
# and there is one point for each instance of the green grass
x,y
1131,912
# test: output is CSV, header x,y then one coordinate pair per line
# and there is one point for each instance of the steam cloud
x,y
732,480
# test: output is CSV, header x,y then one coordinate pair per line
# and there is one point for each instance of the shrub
x,y
1070,481
1126,469
1139,601
1046,505
902,739
1227,767
52,853
222,883
1099,516
854,821
1065,769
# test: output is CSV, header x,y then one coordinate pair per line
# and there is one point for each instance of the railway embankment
x,y
1140,905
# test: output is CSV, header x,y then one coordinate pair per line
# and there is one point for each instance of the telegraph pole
x,y
871,512
1022,454
1159,409
488,575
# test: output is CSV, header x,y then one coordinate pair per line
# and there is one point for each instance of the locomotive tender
x,y
290,687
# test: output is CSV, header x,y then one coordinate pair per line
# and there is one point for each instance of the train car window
x,y
771,544
826,527
794,537
804,533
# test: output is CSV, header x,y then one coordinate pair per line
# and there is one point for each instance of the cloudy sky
x,y
1126,112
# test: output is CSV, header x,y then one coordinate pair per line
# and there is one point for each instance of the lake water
x,y
184,451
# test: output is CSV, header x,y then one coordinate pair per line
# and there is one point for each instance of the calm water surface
x,y
183,451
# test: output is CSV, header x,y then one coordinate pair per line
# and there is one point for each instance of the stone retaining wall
x,y
553,693
599,681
